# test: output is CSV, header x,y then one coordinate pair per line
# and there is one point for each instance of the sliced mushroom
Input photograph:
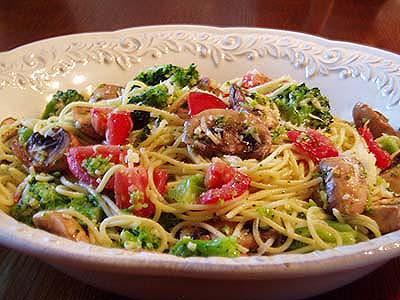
x,y
45,152
387,217
105,91
83,121
217,132
346,184
61,225
376,122
207,84
392,176
236,97
268,115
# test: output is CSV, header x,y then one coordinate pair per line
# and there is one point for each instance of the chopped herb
x,y
265,212
139,237
97,166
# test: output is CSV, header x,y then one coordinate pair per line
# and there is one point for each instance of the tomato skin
x,y
223,183
254,78
313,144
218,174
76,155
383,159
99,116
199,102
119,125
239,184
131,180
160,178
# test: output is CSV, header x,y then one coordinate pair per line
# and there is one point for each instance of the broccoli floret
x,y
156,74
139,237
97,166
303,106
89,207
226,246
180,76
59,101
187,190
155,96
186,77
39,196
43,196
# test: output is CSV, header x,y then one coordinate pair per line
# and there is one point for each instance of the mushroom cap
x,y
229,139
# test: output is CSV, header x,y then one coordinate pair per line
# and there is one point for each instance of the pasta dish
x,y
175,162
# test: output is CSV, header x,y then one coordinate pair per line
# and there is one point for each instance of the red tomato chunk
x,y
199,102
313,144
224,183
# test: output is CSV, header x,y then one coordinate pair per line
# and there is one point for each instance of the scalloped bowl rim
x,y
61,251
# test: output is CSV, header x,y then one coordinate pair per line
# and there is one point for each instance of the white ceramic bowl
x,y
345,72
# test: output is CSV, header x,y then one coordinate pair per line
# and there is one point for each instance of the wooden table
x,y
375,23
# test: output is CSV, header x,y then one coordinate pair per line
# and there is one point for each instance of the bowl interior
x,y
346,73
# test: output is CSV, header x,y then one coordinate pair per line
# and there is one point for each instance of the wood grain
x,y
371,22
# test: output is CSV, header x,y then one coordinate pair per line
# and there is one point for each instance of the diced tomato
x,y
383,159
254,78
130,189
313,144
160,178
218,174
199,101
224,183
99,116
76,156
119,126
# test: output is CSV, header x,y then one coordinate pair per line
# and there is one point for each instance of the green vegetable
x,y
340,226
347,233
139,237
59,101
311,203
155,96
186,77
265,212
43,196
88,206
279,134
156,74
24,133
97,166
187,190
303,106
179,76
389,143
226,246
